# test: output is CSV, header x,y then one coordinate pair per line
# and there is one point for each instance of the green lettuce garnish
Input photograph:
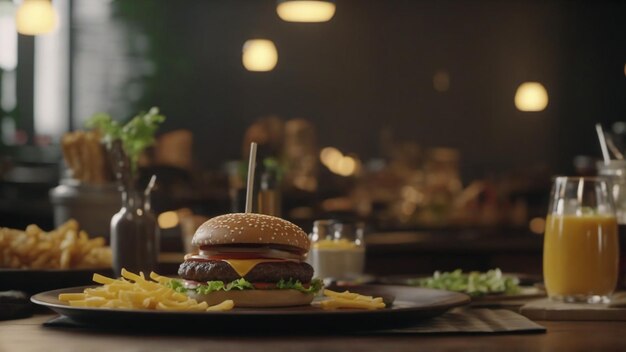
x,y
176,285
240,284
473,283
316,285
211,286
243,284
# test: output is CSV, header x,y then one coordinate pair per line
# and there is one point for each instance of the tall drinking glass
x,y
581,250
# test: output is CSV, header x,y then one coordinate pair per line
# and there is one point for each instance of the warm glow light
x,y
51,69
168,219
35,17
537,225
345,167
412,195
8,37
441,81
531,96
338,163
259,55
305,10
330,156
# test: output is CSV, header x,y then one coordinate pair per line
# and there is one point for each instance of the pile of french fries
x,y
350,300
66,247
86,157
134,291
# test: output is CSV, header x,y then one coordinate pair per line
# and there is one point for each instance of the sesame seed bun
x,y
251,229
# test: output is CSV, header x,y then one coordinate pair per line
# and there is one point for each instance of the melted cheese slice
x,y
243,266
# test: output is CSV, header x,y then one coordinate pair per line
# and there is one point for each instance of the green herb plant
x,y
136,135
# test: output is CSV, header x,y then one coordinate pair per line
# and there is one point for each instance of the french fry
x,y
350,300
158,278
345,294
138,292
86,157
100,293
351,303
62,248
226,305
101,279
71,296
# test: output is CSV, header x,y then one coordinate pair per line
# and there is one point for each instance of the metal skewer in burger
x,y
254,259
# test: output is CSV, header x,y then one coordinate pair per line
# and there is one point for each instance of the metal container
x,y
91,205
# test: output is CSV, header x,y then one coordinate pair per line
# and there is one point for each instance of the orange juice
x,y
580,255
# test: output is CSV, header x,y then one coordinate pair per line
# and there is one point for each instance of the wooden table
x,y
29,335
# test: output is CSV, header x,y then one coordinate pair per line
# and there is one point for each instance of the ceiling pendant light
x,y
35,17
259,55
305,10
531,96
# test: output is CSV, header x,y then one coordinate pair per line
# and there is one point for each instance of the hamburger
x,y
254,259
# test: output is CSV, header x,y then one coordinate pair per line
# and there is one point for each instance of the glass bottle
x,y
134,233
134,230
269,197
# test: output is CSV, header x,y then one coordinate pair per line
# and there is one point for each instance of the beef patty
x,y
217,270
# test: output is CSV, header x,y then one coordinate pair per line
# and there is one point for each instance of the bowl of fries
x,y
33,259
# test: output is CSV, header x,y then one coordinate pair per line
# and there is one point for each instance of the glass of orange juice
x,y
581,250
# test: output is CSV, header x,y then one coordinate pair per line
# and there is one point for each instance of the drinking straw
x,y
150,186
250,186
613,148
605,150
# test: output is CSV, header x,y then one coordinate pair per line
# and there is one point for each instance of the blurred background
x,y
439,124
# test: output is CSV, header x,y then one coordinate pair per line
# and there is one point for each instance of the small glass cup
x,y
338,254
615,170
581,249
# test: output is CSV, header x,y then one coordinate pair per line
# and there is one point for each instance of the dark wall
x,y
371,68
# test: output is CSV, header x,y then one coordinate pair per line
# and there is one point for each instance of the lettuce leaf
x,y
473,283
176,285
316,285
243,284
211,286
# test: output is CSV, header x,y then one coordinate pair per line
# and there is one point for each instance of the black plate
x,y
33,281
528,286
410,305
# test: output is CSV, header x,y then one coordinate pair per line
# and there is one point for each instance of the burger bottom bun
x,y
256,298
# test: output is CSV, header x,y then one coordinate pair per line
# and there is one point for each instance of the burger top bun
x,y
249,228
